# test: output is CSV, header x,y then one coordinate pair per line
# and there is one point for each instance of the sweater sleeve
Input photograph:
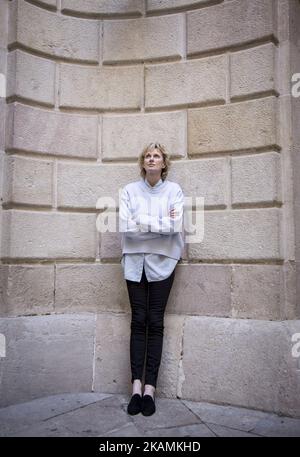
x,y
165,225
128,225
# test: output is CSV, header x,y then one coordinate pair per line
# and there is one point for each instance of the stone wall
x,y
89,83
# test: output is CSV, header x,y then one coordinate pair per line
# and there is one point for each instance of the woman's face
x,y
154,162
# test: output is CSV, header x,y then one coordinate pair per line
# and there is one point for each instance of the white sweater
x,y
144,218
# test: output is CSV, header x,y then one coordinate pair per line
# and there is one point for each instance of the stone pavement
x,y
96,414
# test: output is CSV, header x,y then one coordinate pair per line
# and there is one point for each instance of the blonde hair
x,y
162,149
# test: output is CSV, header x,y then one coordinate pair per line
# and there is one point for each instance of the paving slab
x,y
229,416
89,414
22,415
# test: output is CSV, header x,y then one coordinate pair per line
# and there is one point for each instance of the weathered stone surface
x,y
158,5
241,362
26,289
97,414
2,161
82,185
51,132
289,368
254,71
28,181
239,419
90,420
230,24
15,418
35,364
144,38
3,24
257,291
52,33
168,381
110,248
95,287
112,374
124,137
101,87
46,235
256,178
103,7
49,3
291,118
201,290
243,125
30,77
199,430
239,234
185,83
2,109
204,178
3,65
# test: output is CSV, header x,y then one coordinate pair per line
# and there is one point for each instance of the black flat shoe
x,y
148,405
135,405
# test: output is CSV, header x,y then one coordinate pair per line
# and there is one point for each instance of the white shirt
x,y
157,266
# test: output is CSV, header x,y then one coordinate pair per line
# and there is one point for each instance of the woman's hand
x,y
173,213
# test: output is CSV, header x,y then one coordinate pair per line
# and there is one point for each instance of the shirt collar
x,y
156,185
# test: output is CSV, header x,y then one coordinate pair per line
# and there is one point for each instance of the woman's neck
x,y
152,180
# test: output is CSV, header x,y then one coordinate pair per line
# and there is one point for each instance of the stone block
x,y
95,288
51,132
254,71
289,368
30,77
256,179
201,290
251,234
48,235
146,38
26,289
15,418
3,23
101,88
80,186
168,380
241,362
124,137
2,122
230,24
28,181
185,83
54,34
112,374
110,248
257,291
244,125
2,161
202,178
46,355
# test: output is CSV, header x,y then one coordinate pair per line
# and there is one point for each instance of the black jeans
x,y
148,301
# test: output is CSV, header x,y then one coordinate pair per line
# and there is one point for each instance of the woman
x,y
150,219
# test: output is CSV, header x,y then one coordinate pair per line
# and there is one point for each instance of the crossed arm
x,y
146,227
